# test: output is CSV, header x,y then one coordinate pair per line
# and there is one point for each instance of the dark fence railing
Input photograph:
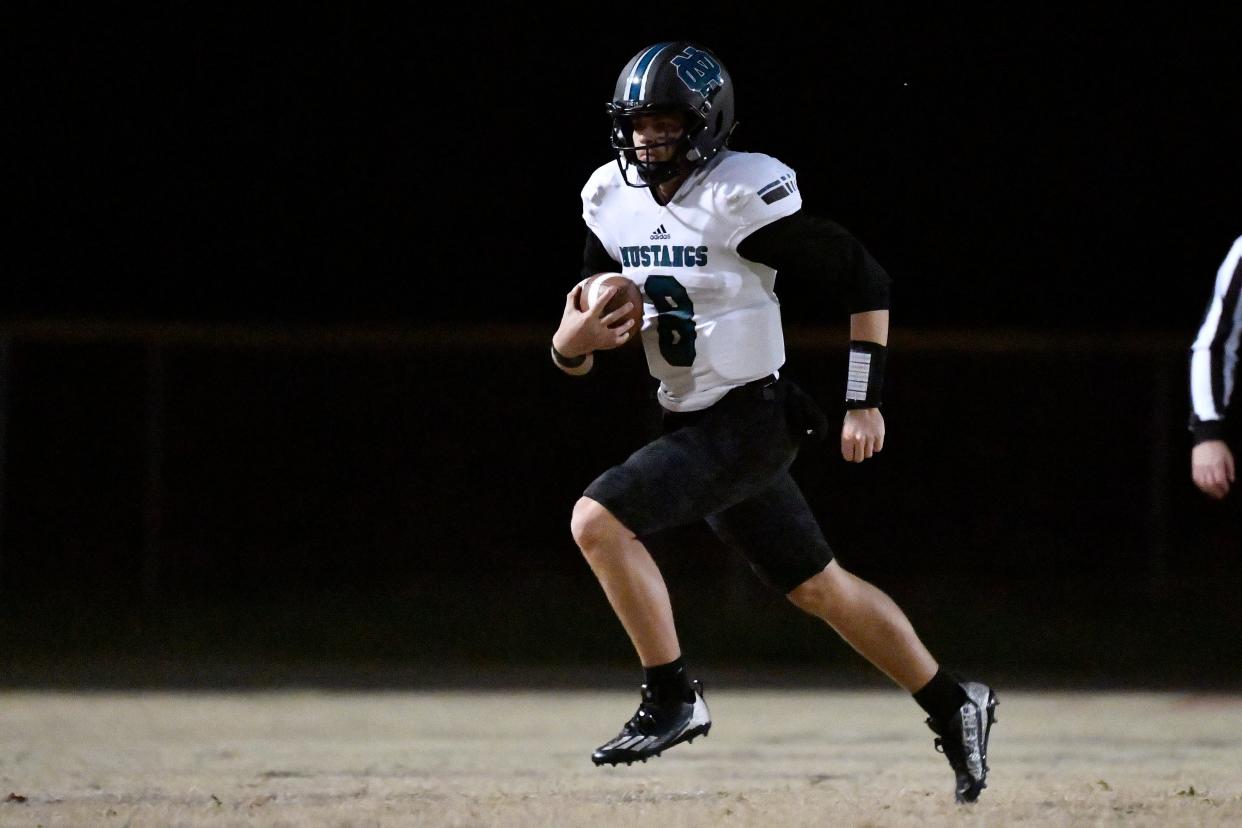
x,y
1024,472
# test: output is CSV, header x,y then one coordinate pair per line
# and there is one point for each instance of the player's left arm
x,y
820,250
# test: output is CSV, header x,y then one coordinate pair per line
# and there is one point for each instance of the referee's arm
x,y
1213,371
1213,357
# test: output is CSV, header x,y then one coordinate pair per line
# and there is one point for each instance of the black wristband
x,y
1204,430
567,362
866,374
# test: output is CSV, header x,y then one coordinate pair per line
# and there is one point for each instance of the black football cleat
x,y
656,728
963,739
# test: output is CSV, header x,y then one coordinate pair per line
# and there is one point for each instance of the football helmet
x,y
672,77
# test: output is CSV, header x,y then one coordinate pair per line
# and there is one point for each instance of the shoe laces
x,y
641,720
646,715
953,749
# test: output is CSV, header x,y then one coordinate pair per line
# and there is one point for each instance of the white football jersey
x,y
711,320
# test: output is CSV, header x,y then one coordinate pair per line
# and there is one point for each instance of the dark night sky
x,y
1033,169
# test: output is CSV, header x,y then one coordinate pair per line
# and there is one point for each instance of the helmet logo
x,y
697,70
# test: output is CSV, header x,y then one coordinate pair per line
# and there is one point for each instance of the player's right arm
x,y
581,333
578,333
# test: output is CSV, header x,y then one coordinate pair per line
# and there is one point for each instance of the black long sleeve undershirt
x,y
812,248
595,258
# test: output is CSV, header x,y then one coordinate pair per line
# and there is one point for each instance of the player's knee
x,y
808,596
591,525
822,593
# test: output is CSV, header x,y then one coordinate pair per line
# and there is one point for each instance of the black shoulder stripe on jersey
x,y
778,189
773,196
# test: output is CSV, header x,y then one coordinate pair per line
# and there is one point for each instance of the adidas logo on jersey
x,y
660,233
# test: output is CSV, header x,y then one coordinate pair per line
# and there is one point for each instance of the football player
x,y
703,231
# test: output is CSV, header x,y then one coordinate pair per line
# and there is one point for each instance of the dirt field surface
x,y
520,758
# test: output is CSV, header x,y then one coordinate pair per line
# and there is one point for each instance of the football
x,y
627,291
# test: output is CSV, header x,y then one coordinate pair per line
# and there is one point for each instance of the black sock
x,y
942,696
668,682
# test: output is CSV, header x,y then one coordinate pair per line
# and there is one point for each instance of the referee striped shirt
x,y
1214,355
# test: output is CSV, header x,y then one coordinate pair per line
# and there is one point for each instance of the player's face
x,y
652,130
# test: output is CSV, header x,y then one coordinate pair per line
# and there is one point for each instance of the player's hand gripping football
x,y
582,332
1212,467
862,435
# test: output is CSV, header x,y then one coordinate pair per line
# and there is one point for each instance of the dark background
x,y
276,400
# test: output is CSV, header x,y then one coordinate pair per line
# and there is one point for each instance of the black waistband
x,y
764,387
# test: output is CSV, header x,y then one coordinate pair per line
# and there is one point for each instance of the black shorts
x,y
728,464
